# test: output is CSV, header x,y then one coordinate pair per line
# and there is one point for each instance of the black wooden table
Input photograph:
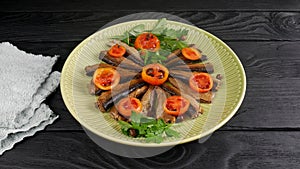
x,y
265,35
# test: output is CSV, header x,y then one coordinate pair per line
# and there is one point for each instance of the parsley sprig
x,y
153,130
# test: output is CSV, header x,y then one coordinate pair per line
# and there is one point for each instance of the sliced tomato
x,y
191,53
176,105
155,74
106,78
201,82
129,104
147,41
117,51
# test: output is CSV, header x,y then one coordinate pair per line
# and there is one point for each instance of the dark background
x,y
265,35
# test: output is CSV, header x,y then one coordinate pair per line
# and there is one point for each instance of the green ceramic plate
x,y
81,104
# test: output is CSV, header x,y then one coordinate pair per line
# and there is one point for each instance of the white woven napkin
x,y
25,81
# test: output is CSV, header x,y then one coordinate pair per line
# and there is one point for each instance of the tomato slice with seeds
x,y
147,41
129,104
201,82
155,74
176,105
106,78
117,51
191,53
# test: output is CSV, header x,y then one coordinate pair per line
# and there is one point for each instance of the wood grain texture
x,y
187,5
224,150
75,26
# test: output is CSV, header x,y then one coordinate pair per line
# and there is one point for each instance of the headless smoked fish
x,y
119,62
217,84
171,89
161,96
177,53
116,115
120,91
175,91
139,92
136,93
103,98
131,52
89,70
148,101
173,55
176,58
185,88
190,114
194,104
175,61
93,89
158,98
168,118
179,60
182,75
185,76
198,67
126,74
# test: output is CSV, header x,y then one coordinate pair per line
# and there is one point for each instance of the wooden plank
x,y
272,98
75,26
187,5
224,150
269,59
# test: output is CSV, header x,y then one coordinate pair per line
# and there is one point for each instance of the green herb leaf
x,y
155,139
135,117
160,26
147,120
155,57
135,31
175,34
170,44
172,133
124,124
154,130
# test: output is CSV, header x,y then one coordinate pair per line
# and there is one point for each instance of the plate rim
x,y
140,144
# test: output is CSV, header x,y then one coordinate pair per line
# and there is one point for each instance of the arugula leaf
x,y
160,26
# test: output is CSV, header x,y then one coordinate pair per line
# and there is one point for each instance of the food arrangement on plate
x,y
150,79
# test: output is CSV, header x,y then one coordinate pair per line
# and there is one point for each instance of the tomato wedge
x,y
176,105
129,104
155,74
201,82
147,41
106,78
117,51
191,53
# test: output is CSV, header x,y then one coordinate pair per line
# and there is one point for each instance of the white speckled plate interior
x,y
81,104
